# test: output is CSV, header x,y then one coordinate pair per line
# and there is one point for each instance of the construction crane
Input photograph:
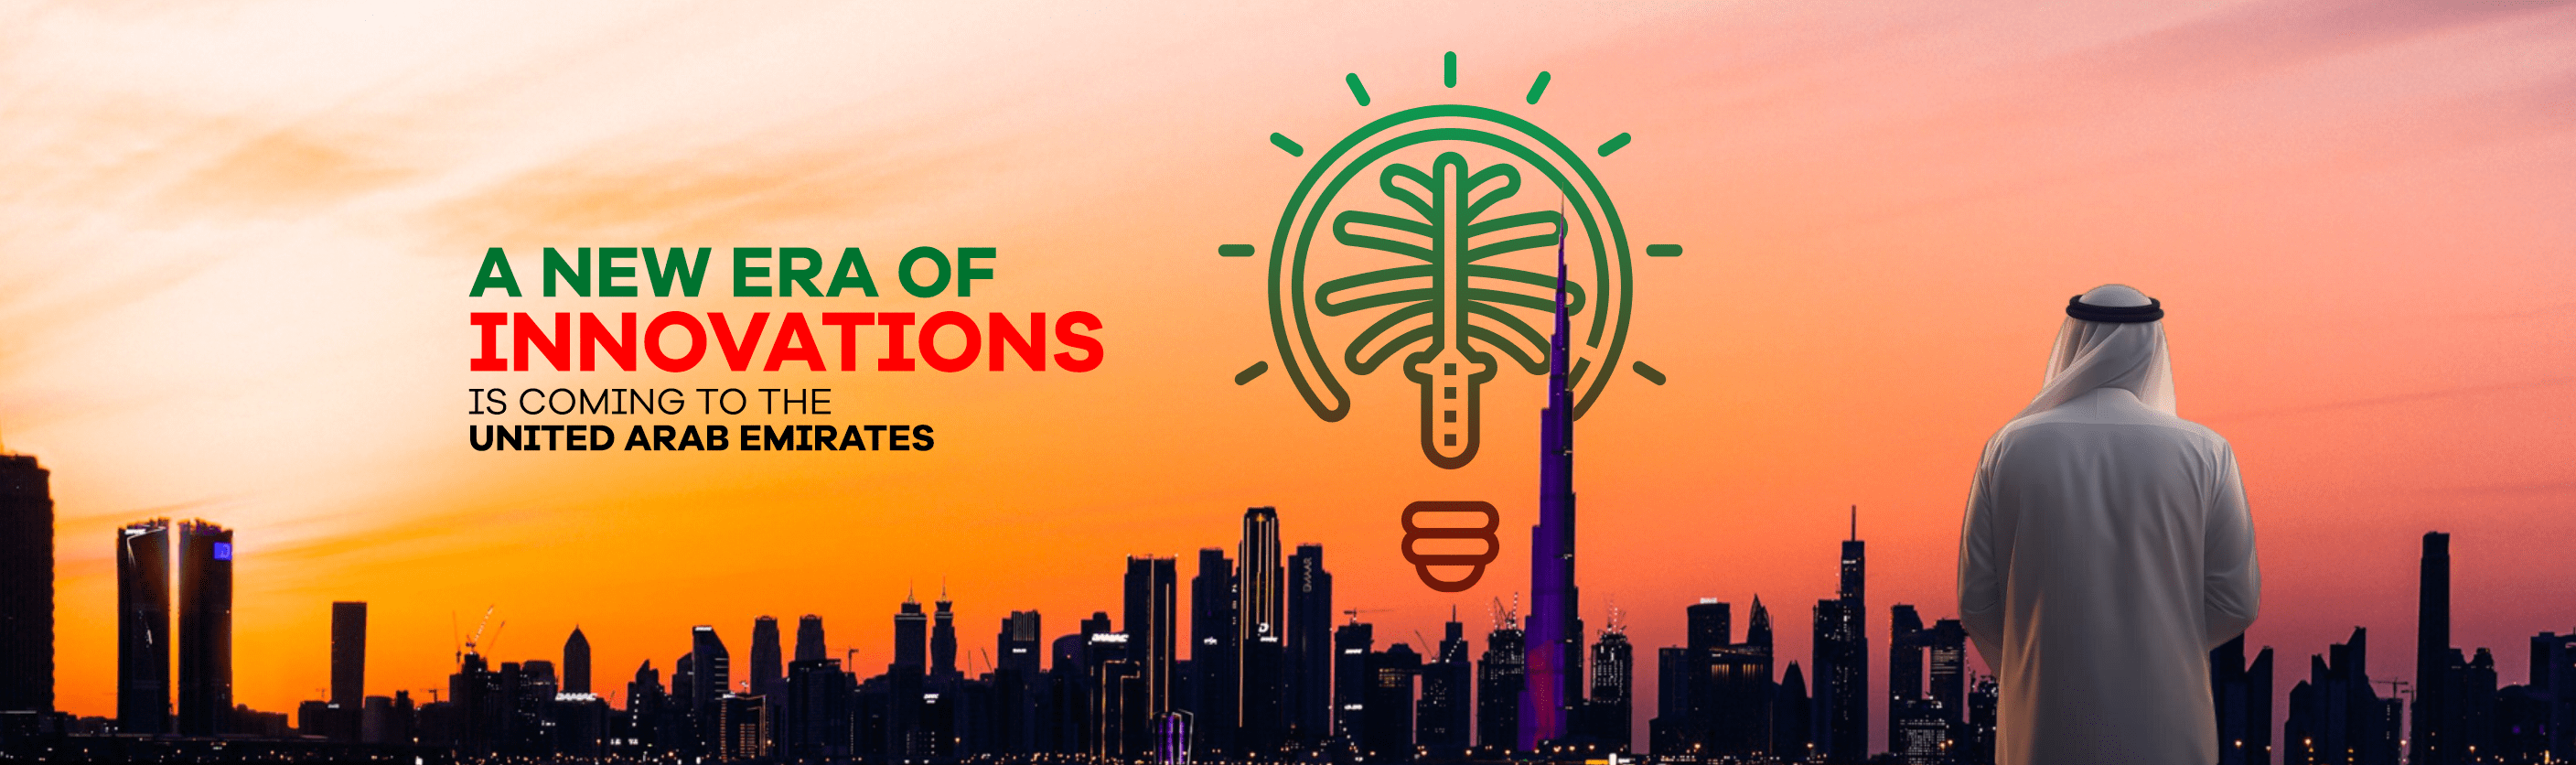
x,y
1355,612
2397,686
469,646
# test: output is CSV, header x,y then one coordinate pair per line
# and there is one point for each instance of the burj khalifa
x,y
1554,629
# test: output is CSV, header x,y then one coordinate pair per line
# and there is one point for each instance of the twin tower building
x,y
203,640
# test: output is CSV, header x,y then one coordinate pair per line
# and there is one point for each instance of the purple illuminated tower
x,y
1555,637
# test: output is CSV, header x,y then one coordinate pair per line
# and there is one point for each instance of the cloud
x,y
2402,398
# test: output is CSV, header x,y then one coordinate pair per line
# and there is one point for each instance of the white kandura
x,y
2107,548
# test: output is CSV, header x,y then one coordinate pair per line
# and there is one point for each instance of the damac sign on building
x,y
1424,243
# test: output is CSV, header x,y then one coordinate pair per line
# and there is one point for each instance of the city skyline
x,y
1151,604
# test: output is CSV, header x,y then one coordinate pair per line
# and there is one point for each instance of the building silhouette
x,y
1555,630
348,654
1152,588
1790,726
1445,721
2434,730
1310,647
2241,693
1841,660
1215,657
1353,644
1387,733
943,638
1607,715
26,585
143,636
2336,716
809,638
576,662
205,628
1261,671
1501,680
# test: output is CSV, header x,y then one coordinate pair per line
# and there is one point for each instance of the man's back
x,y
2088,581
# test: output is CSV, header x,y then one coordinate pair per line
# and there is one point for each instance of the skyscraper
x,y
143,636
1388,736
1352,644
1446,721
1947,644
1555,637
349,654
1904,669
2430,738
576,662
711,668
1612,707
26,585
1153,595
1841,660
1789,724
1310,646
1021,644
1500,680
911,636
205,627
1260,671
943,638
809,638
2242,696
2336,716
1215,655
768,674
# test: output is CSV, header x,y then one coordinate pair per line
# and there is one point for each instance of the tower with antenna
x,y
1555,633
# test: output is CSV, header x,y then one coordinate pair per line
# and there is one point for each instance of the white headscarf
x,y
2091,355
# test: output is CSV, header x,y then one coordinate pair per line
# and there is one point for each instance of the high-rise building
x,y
205,628
912,636
143,636
1555,633
1215,656
1609,713
1841,661
349,654
2553,678
1501,678
1152,602
2241,694
1310,646
1353,643
2434,727
1741,686
1388,733
1018,682
711,667
1445,723
768,673
1021,642
576,662
26,585
1905,643
1789,724
2336,716
1947,645
1711,625
809,638
1261,721
943,638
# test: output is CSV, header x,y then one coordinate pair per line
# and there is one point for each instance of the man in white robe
x,y
2107,548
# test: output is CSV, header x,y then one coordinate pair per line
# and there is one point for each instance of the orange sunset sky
x,y
236,242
